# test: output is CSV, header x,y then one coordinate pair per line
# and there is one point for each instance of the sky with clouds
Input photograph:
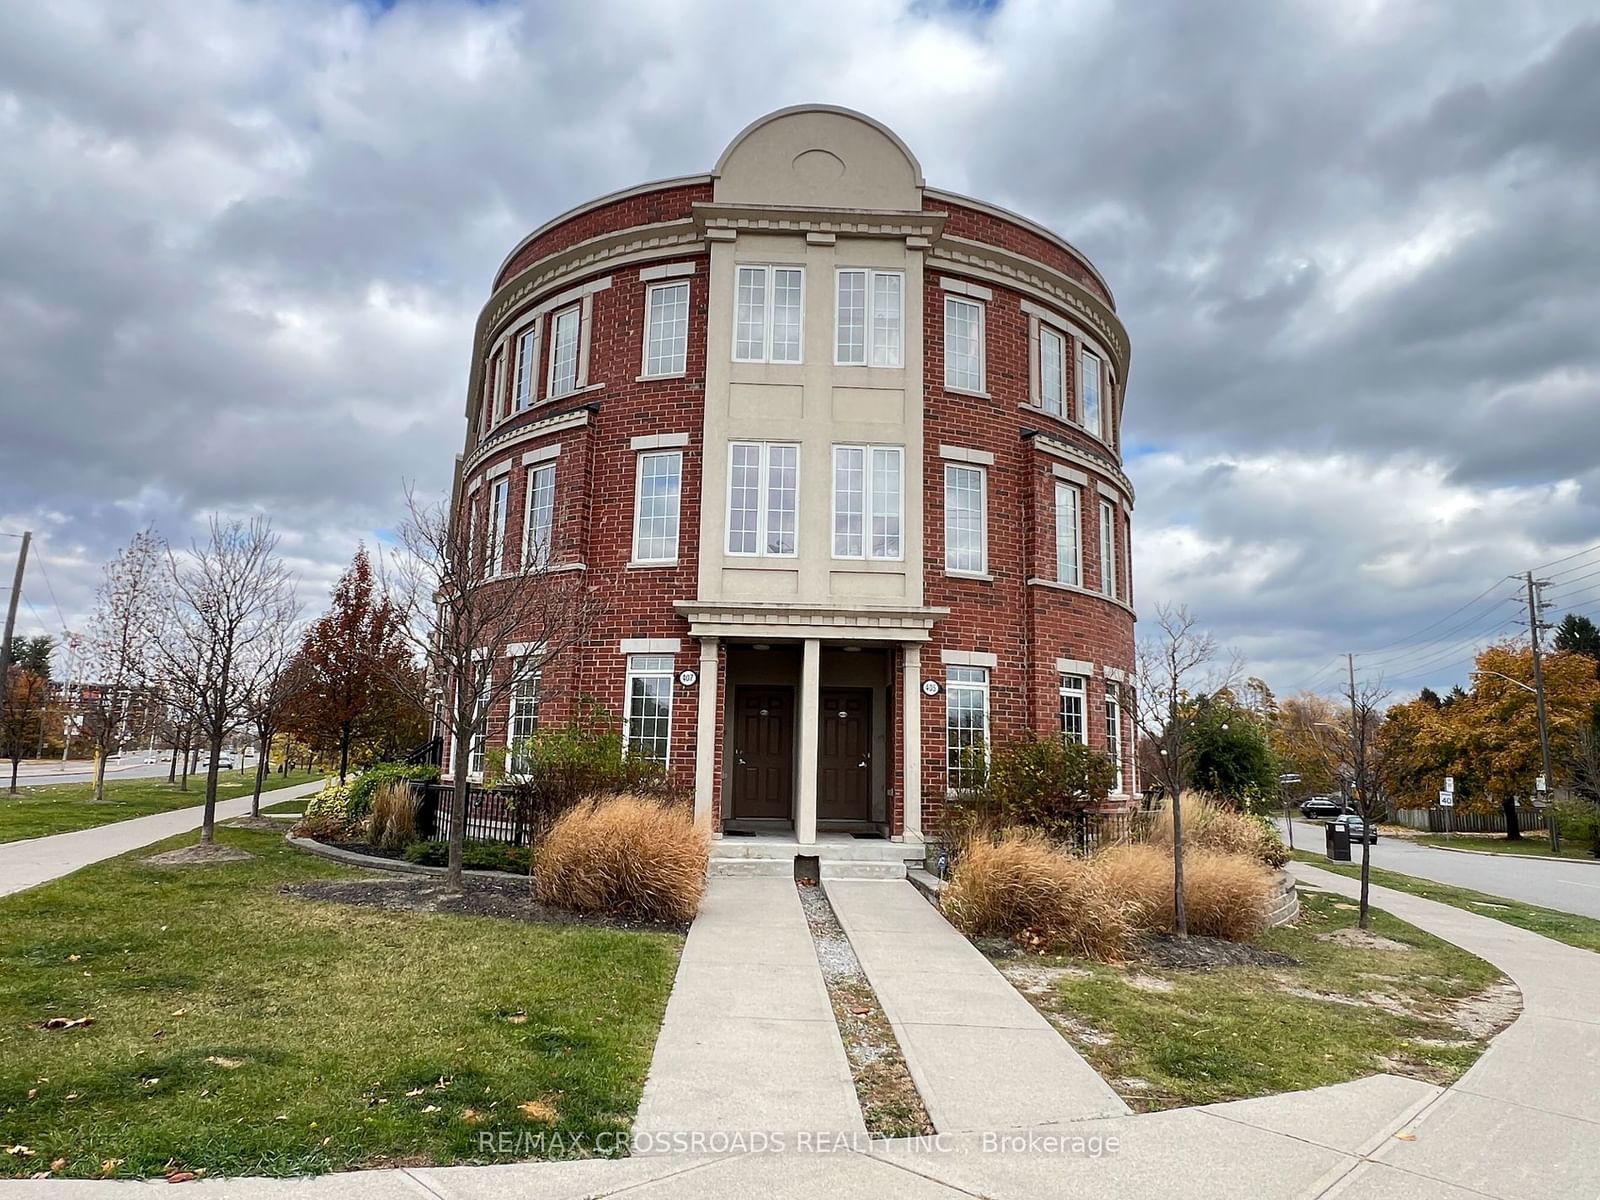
x,y
1356,245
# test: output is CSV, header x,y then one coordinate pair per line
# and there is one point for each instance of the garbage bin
x,y
1338,842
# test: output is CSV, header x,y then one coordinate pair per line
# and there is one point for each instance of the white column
x,y
911,743
705,733
805,800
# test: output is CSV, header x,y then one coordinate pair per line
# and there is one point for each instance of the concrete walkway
x,y
29,863
749,1042
982,1057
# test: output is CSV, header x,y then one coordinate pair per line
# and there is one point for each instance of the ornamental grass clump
x,y
1017,885
393,823
1224,895
634,857
1208,824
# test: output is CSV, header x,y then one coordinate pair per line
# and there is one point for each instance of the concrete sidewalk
x,y
982,1057
749,1042
38,860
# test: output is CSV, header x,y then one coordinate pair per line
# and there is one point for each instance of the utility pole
x,y
11,619
1544,722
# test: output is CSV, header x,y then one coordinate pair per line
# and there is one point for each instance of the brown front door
x,y
844,767
763,752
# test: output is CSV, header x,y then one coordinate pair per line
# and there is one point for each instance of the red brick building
x,y
842,452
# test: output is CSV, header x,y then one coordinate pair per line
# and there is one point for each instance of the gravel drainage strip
x,y
890,1103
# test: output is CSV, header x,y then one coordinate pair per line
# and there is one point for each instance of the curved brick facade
x,y
797,422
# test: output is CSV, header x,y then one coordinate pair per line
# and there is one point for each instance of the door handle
x,y
862,763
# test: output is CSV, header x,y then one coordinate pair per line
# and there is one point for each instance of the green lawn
x,y
1535,843
63,807
244,1031
1582,932
1166,1038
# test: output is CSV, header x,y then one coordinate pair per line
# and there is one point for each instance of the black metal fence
x,y
491,816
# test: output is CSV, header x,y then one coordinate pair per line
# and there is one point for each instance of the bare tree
x,y
463,624
1176,665
234,600
121,642
277,684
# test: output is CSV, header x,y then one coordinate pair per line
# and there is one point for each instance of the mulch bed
x,y
197,854
507,899
1202,953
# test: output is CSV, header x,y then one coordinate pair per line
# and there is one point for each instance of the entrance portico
x,y
817,716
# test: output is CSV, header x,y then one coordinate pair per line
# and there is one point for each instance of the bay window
x,y
1108,549
495,551
1052,371
1069,524
564,351
1074,709
539,518
1089,412
527,367
1114,729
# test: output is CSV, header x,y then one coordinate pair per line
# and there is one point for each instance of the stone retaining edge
x,y
398,866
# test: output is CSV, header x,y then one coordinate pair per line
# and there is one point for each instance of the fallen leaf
x,y
430,1108
230,1064
182,1012
68,1022
32,1092
539,1110
471,1116
416,1091
152,1081
57,1164
20,1151
71,1096
110,1165
518,1018
861,1012
1405,1135
182,1176
74,957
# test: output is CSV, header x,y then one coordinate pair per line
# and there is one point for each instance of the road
x,y
1567,885
133,767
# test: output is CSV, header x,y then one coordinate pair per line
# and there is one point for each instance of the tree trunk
x,y
99,772
1508,805
172,765
183,783
1181,917
261,774
14,764
1364,918
344,751
458,812
208,824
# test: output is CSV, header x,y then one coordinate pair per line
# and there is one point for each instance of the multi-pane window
x,y
496,387
495,552
666,339
763,497
540,510
963,344
1074,709
480,720
1114,728
564,352
965,539
1108,548
867,501
655,509
527,367
648,727
1052,371
869,318
1089,392
966,735
523,720
768,312
1069,550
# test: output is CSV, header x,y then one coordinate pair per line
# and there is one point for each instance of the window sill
x,y
977,576
1073,588
656,378
554,569
960,391
650,564
552,398
862,560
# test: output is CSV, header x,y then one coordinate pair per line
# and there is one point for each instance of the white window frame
x,y
1110,585
1075,687
497,379
1062,348
1069,555
638,499
553,390
514,706
524,388
1113,714
477,746
647,666
769,290
497,501
681,356
983,520
763,508
957,679
869,317
1096,371
982,339
868,496
530,560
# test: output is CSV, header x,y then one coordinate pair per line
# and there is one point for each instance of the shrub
x,y
1224,895
1033,783
475,856
332,802
364,788
322,827
1209,825
635,857
1020,887
393,823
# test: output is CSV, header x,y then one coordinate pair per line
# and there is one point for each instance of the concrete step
x,y
751,868
834,849
862,870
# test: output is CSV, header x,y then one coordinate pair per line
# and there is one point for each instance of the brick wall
x,y
646,208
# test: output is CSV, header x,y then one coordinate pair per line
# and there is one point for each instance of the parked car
x,y
1321,807
1356,826
151,759
225,762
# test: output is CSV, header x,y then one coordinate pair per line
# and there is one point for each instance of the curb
x,y
1545,858
398,866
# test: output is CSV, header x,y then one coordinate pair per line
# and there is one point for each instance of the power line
x,y
45,575
1568,558
1447,636
1433,660
1402,641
